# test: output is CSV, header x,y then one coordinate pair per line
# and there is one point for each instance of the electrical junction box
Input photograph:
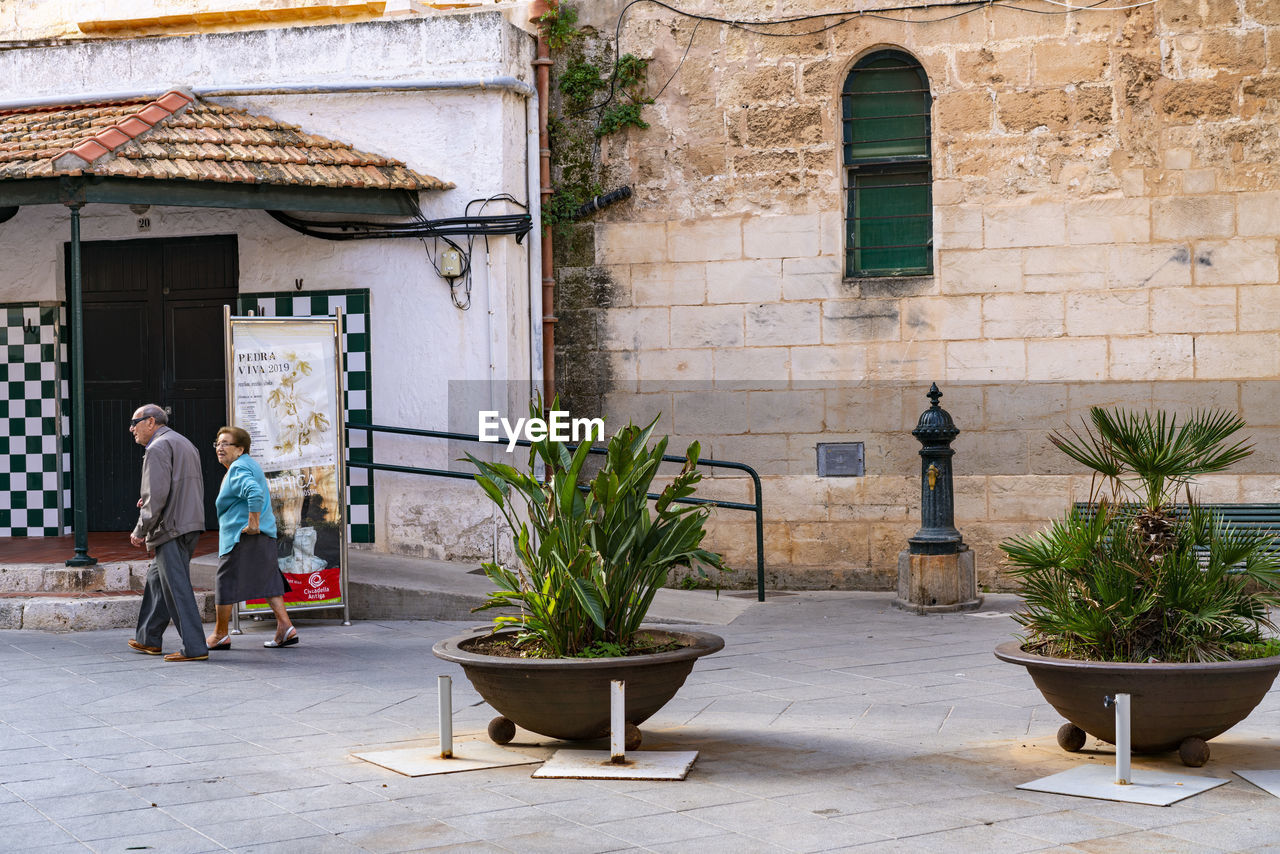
x,y
451,263
840,459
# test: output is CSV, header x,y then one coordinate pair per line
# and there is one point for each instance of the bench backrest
x,y
1264,518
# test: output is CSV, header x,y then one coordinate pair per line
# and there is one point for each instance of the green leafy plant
x,y
559,25
617,116
1133,579
580,82
586,115
603,649
631,70
1147,458
629,75
591,561
563,204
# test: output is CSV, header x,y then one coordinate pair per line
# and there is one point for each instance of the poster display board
x,y
284,387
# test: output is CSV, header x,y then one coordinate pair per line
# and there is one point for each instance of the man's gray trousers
x,y
168,596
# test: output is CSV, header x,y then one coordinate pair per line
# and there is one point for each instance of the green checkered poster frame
x,y
32,453
356,388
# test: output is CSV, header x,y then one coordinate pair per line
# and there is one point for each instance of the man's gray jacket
x,y
172,489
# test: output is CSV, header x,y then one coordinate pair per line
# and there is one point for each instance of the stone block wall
x,y
1106,226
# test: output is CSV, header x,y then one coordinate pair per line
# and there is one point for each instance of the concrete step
x,y
396,587
81,611
54,597
381,587
387,586
117,576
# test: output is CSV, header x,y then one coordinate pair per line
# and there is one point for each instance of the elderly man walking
x,y
170,521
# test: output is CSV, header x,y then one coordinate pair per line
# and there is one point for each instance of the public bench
x,y
1262,518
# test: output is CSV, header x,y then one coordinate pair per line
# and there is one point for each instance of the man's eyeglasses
x,y
134,422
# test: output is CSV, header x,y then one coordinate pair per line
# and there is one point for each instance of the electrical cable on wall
x,y
509,224
846,16
452,264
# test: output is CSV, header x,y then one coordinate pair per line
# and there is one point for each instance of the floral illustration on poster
x,y
299,423
289,391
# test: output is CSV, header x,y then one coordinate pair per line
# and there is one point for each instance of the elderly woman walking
x,y
248,567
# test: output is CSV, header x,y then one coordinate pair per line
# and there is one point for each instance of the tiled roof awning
x,y
178,137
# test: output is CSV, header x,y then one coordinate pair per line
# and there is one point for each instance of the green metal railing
x,y
757,507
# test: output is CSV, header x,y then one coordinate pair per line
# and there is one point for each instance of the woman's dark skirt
x,y
251,570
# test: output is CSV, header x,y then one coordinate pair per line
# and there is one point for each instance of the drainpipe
x,y
333,87
542,67
533,179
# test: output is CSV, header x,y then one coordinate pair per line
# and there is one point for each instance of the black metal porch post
x,y
79,471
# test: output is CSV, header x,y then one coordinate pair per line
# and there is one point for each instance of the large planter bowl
x,y
568,698
1170,702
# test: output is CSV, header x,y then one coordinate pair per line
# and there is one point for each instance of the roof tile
x,y
174,101
112,137
153,113
134,126
178,136
90,150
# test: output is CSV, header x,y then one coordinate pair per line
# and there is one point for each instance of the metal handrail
x,y
757,507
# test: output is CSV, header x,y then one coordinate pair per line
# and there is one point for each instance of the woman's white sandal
x,y
290,638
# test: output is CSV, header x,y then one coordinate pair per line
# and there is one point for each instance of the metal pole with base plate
x,y
616,765
1155,788
1124,776
446,759
618,722
445,684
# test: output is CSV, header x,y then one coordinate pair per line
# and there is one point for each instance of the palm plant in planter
x,y
1135,595
590,563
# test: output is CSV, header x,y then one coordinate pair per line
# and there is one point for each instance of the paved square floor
x,y
830,722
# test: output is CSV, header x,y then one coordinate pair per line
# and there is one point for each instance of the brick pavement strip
x,y
830,722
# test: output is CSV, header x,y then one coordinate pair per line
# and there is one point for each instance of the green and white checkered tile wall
x,y
355,382
35,459
33,455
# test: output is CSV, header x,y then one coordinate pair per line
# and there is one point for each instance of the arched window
x,y
889,218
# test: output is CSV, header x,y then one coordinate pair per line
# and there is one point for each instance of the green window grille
x,y
889,221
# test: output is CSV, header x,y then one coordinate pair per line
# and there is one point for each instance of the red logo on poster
x,y
313,589
319,586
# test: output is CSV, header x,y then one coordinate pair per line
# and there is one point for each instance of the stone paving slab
x,y
830,722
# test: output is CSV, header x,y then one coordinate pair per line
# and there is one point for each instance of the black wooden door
x,y
152,334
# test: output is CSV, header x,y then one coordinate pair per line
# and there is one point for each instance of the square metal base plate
x,y
1267,781
640,765
467,756
1156,788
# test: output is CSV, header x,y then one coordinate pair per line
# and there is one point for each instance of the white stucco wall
x,y
475,137
48,19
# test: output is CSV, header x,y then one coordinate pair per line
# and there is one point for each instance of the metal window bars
x,y
887,159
